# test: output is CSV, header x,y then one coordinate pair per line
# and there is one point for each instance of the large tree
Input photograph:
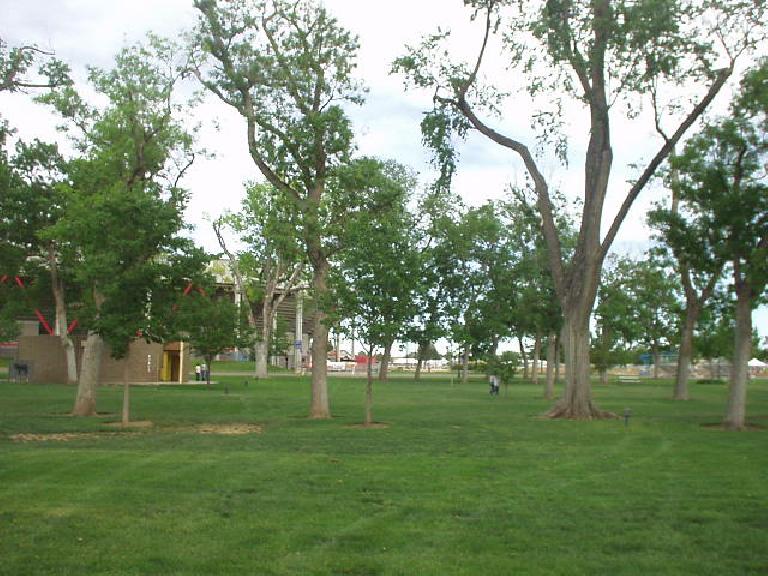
x,y
604,55
123,205
722,173
693,239
286,67
27,182
31,201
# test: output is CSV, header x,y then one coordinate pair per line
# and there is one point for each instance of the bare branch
x,y
290,283
657,114
662,154
183,170
544,202
235,269
473,76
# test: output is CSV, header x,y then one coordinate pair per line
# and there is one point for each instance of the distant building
x,y
42,359
295,308
39,356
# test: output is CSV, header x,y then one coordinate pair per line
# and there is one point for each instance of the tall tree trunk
x,y
61,316
126,416
465,364
735,418
536,356
421,353
685,353
320,407
693,302
260,354
557,358
208,367
524,356
369,389
656,359
85,402
576,401
549,388
576,284
384,366
261,348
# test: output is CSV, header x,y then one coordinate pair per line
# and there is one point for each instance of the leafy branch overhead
x,y
17,73
285,67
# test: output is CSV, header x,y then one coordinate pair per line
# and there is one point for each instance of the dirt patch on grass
x,y
69,413
222,429
229,429
62,437
136,424
371,426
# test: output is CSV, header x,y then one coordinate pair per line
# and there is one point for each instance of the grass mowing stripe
x,y
458,483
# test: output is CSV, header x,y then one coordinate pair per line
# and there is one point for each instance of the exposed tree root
x,y
588,412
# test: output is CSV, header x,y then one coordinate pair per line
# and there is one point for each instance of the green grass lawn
x,y
458,483
223,366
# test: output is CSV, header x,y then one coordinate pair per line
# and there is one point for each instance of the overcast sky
x,y
90,32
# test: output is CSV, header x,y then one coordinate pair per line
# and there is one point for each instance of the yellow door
x,y
165,372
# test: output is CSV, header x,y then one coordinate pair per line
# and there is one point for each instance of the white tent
x,y
755,363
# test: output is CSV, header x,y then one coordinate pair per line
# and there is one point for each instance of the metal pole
x,y
182,380
298,334
338,345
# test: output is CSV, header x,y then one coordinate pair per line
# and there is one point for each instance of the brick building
x,y
40,358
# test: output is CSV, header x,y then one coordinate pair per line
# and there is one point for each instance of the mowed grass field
x,y
456,483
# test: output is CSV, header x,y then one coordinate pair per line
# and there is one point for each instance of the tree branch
x,y
235,269
473,75
541,187
289,285
661,155
293,90
264,168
